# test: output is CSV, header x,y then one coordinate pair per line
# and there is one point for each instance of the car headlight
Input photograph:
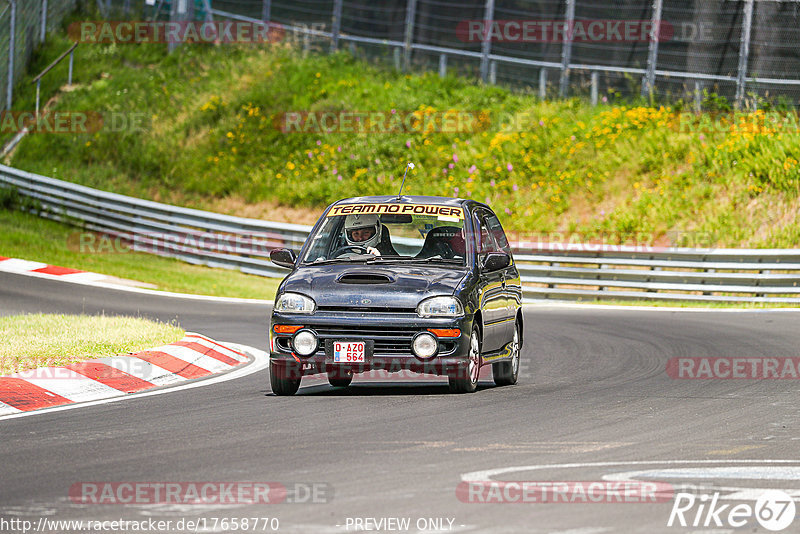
x,y
424,346
295,303
440,307
305,343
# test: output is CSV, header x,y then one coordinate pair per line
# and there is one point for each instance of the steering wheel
x,y
339,251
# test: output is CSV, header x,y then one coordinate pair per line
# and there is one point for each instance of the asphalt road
x,y
593,390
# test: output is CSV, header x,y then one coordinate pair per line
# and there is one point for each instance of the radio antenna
x,y
409,166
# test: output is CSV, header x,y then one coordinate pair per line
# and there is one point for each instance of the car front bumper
x,y
388,338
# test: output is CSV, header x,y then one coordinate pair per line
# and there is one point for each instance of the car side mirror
x,y
283,257
494,261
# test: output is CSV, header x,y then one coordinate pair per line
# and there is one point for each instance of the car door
x,y
512,285
494,305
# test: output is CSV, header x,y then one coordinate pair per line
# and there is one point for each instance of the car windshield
x,y
369,233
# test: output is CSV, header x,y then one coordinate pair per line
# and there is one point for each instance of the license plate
x,y
349,352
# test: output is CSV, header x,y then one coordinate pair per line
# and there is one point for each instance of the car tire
x,y
281,384
340,379
469,383
506,373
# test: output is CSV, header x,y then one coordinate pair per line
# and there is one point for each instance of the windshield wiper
x,y
438,259
360,259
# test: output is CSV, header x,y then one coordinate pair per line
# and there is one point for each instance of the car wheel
x,y
340,379
506,373
469,383
280,381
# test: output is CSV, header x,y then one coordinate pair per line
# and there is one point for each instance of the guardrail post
x,y
595,88
652,57
336,24
43,31
566,50
486,44
493,72
411,17
12,41
744,53
543,84
442,65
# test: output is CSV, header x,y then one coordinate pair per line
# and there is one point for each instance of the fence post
x,y
411,16
12,41
595,88
44,21
698,97
652,57
566,50
336,24
543,83
442,65
486,44
179,12
266,10
493,72
744,52
71,63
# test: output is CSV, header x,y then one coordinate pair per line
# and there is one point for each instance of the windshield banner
x,y
398,209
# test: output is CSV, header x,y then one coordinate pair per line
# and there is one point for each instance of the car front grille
x,y
387,339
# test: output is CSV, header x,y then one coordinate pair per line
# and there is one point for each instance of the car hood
x,y
389,286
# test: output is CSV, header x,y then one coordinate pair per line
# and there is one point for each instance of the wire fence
x,y
711,53
28,21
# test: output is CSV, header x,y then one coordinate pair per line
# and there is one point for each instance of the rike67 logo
x,y
774,510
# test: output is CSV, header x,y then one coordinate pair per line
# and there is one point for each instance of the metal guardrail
x,y
549,271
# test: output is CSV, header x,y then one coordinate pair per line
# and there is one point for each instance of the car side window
x,y
487,243
496,229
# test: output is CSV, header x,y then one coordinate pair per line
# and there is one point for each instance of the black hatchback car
x,y
411,283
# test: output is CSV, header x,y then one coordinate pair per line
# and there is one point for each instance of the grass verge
x,y
32,238
42,340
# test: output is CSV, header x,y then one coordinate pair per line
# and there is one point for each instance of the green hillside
x,y
212,138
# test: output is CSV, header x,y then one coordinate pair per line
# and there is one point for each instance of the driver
x,y
365,230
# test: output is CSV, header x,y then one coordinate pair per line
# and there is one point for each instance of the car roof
x,y
405,199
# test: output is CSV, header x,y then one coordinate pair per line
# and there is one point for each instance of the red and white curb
x,y
195,356
13,265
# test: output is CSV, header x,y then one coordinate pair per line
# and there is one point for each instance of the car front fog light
x,y
305,343
424,346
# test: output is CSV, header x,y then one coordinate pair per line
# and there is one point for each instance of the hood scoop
x,y
365,278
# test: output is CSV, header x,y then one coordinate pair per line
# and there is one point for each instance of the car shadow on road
x,y
369,389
